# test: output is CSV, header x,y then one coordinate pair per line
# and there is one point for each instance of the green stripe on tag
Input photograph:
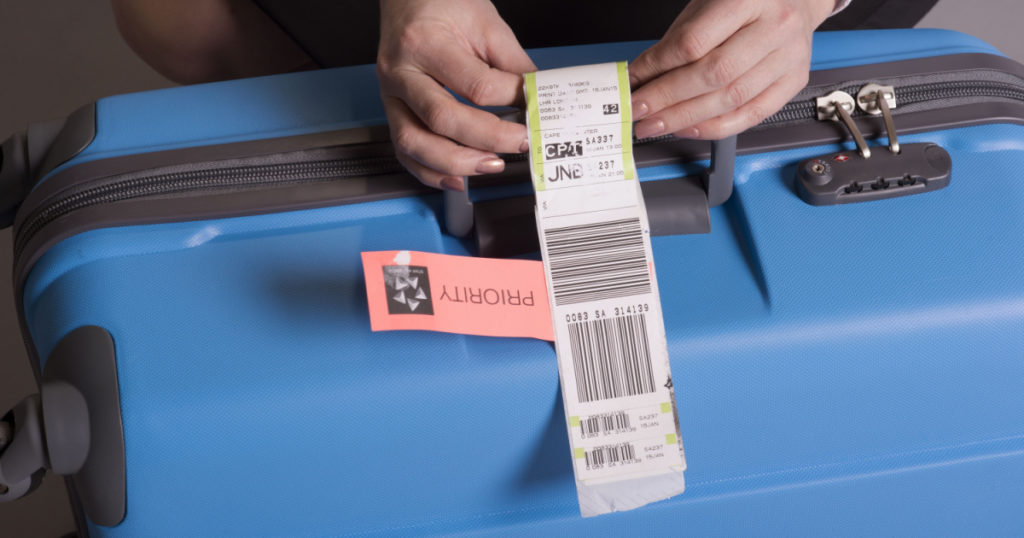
x,y
625,108
533,123
574,422
670,439
666,407
579,453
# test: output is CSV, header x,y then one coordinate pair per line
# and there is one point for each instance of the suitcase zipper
x,y
235,178
909,95
275,175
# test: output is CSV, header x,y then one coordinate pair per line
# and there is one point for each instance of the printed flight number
x,y
600,313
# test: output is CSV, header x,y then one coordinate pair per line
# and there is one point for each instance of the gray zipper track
x,y
803,109
273,175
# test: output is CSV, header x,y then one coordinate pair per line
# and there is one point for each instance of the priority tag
x,y
409,290
608,327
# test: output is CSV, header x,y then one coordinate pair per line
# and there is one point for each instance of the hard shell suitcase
x,y
188,276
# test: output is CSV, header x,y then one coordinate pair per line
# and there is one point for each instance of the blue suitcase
x,y
189,281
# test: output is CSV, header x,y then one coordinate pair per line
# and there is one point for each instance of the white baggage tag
x,y
609,333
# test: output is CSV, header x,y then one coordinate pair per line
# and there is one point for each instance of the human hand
x,y
724,66
463,45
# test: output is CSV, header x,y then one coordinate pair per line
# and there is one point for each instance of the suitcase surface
x,y
849,369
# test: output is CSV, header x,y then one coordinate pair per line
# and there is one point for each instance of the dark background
x,y
56,55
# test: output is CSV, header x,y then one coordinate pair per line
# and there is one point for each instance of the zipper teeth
x,y
225,178
270,175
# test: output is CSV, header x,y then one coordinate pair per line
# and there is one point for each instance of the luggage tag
x,y
595,294
608,327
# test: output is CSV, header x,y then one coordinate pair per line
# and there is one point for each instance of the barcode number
x,y
613,454
597,261
611,357
614,422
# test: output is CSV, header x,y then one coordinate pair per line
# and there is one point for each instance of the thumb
x,y
504,52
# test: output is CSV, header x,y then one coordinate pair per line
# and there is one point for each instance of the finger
x,y
700,28
437,153
428,177
754,111
469,76
444,115
678,117
505,53
719,68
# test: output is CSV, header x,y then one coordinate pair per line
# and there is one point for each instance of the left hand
x,y
724,66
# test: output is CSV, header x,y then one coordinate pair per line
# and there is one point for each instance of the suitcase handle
x,y
717,180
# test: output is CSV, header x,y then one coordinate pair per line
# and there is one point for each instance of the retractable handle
x,y
718,180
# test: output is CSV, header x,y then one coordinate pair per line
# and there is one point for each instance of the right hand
x,y
464,45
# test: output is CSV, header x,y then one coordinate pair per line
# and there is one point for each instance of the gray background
x,y
56,55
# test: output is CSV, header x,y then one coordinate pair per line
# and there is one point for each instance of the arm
x,y
191,41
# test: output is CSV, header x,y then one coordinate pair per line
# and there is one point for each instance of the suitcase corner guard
x,y
73,427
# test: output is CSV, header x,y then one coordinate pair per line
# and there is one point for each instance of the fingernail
x,y
640,109
633,81
453,183
689,132
490,165
647,129
525,146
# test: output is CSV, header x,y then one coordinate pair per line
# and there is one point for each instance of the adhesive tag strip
x,y
609,332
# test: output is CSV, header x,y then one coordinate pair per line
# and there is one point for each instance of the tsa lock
x,y
862,175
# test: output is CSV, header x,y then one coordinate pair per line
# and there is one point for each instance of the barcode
x,y
597,261
605,423
611,357
601,456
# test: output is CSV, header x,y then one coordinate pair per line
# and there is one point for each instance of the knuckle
x,y
755,114
662,96
680,118
720,71
481,90
692,45
643,65
439,118
411,39
383,66
508,137
388,69
712,130
789,16
450,164
737,93
406,137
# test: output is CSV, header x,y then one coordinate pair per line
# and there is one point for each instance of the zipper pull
x,y
837,106
876,99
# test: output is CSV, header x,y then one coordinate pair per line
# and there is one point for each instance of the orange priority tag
x,y
409,290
